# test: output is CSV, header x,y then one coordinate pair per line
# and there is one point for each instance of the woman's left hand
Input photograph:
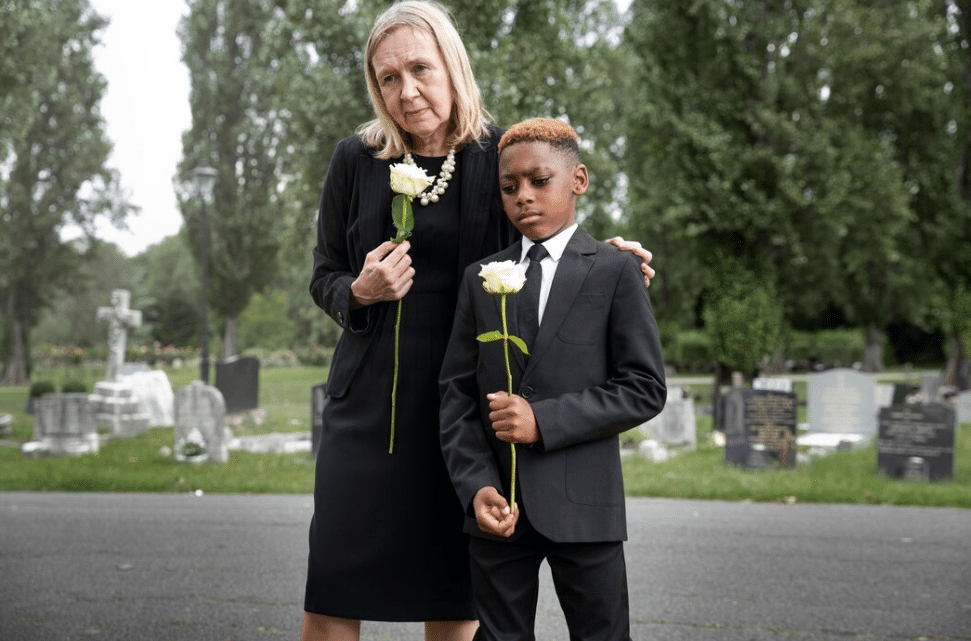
x,y
640,252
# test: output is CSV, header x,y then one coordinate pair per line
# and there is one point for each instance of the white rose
x,y
409,179
505,277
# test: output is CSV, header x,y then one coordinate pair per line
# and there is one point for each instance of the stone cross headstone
x,y
842,401
916,442
962,406
200,424
64,424
675,424
120,319
760,427
238,379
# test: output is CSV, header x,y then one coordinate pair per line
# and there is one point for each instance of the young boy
x,y
594,370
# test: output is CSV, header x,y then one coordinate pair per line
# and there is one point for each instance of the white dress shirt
x,y
555,246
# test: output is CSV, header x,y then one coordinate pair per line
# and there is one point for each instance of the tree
x,y
52,164
237,128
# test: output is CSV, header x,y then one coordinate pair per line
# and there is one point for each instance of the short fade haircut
x,y
556,133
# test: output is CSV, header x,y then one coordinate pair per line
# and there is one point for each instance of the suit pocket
x,y
347,360
584,323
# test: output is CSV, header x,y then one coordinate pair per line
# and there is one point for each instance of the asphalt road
x,y
129,567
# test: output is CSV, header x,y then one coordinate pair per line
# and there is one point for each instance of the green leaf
x,y
518,342
488,337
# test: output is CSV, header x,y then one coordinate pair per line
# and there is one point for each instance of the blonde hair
x,y
469,117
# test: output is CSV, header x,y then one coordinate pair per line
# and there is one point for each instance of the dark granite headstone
x,y
238,380
318,398
916,441
760,427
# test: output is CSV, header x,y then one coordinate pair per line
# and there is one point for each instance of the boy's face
x,y
539,186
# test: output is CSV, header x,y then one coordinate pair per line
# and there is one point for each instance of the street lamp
x,y
205,178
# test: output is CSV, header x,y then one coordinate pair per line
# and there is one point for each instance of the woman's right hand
x,y
386,276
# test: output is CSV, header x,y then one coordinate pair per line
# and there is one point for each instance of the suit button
x,y
526,392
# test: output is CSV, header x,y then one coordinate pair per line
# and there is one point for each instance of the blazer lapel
x,y
572,270
479,180
375,201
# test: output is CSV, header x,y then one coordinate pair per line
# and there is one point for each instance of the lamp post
x,y
205,179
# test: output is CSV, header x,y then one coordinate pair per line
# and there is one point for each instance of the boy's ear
x,y
581,180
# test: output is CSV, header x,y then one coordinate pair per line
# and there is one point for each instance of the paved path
x,y
138,567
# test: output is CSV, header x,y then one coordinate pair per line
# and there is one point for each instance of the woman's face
x,y
415,86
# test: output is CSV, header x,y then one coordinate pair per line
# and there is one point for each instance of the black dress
x,y
386,539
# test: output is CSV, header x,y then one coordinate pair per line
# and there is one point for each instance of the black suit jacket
x,y
355,209
595,371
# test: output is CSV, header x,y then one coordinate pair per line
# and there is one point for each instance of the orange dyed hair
x,y
557,133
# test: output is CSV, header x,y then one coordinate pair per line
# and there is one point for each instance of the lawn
x,y
145,464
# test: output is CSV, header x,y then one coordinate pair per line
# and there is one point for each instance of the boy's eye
x,y
507,189
541,180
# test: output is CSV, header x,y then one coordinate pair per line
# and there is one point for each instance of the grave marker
x,y
760,427
200,424
238,379
842,401
917,441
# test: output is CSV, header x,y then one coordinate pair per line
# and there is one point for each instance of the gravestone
x,y
760,427
773,384
883,394
930,387
120,319
962,406
200,424
675,424
113,399
318,398
64,424
842,401
6,424
903,392
238,379
916,442
153,393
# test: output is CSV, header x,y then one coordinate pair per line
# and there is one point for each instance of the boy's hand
x,y
492,513
512,418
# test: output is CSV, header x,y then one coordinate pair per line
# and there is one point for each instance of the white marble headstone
x,y
842,401
200,424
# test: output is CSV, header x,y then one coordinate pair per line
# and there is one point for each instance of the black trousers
x,y
590,581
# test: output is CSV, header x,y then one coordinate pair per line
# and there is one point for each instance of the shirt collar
x,y
555,245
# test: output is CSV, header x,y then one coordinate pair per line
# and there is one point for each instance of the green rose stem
x,y
404,222
512,446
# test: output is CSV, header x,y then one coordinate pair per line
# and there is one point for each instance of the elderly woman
x,y
386,539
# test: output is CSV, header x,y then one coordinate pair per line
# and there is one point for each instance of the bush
x,y
827,347
74,387
40,388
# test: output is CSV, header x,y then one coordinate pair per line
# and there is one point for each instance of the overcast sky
x,y
146,108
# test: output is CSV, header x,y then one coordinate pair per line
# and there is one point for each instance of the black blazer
x,y
355,207
595,371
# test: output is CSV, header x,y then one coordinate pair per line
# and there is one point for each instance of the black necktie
x,y
528,303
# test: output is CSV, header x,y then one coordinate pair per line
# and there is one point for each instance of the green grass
x,y
843,477
138,464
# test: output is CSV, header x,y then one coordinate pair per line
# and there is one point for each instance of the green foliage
x,y
53,151
826,346
744,321
39,388
266,324
74,387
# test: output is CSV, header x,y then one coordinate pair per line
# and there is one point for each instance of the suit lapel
x,y
571,271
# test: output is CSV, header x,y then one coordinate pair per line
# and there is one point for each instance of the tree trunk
x,y
873,352
15,369
231,337
952,370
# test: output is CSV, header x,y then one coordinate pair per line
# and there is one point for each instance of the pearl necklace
x,y
443,177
